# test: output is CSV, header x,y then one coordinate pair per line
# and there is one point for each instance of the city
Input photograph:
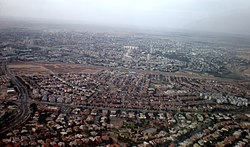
x,y
124,73
98,89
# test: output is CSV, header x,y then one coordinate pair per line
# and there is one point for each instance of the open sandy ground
x,y
28,68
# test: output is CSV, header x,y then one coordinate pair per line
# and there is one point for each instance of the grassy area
x,y
129,124
125,135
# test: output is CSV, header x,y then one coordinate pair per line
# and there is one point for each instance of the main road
x,y
23,112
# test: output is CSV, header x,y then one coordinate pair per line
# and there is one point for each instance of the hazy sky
x,y
232,16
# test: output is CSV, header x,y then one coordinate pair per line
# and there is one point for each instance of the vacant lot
x,y
28,68
72,68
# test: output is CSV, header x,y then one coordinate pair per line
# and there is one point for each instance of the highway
x,y
23,112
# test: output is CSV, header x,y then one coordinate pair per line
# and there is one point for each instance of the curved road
x,y
23,112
